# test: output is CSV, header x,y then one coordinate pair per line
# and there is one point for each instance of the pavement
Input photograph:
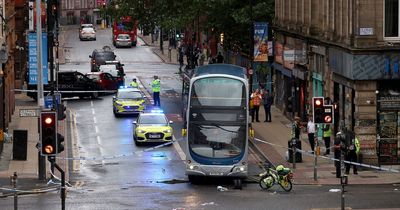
x,y
272,140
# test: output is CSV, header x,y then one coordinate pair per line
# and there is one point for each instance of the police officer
x,y
353,148
156,86
327,137
133,84
337,152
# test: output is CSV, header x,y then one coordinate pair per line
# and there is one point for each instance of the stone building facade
x,y
347,50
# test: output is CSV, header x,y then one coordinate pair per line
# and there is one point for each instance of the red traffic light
x,y
48,149
48,120
318,102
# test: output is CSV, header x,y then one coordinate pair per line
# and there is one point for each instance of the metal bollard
x,y
294,150
13,183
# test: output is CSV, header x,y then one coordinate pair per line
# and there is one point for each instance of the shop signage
x,y
389,102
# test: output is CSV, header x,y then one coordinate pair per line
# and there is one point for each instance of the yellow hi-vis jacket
x,y
155,85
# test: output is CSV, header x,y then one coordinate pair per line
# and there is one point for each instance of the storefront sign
x,y
389,103
278,53
288,58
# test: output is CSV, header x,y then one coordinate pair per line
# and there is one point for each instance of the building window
x,y
392,19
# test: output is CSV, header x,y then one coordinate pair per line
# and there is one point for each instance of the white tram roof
x,y
228,69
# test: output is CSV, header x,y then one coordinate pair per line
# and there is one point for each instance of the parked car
x,y
86,25
123,40
87,34
115,73
99,57
118,65
71,84
105,80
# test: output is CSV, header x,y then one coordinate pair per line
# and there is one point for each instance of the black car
x,y
71,84
99,57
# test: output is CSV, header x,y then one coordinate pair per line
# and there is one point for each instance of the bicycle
x,y
281,175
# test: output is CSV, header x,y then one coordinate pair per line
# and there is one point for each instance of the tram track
x,y
261,158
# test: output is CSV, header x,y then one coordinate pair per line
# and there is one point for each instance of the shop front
x,y
388,138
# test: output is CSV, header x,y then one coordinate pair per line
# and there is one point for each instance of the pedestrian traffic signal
x,y
60,145
61,112
48,132
328,115
318,109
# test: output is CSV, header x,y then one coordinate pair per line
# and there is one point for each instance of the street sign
x,y
33,66
48,100
29,113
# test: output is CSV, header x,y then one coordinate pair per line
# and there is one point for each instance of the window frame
x,y
385,38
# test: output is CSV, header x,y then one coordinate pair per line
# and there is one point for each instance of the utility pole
x,y
40,95
251,45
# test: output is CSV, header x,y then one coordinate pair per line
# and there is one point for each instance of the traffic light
x,y
328,114
60,145
318,109
289,106
322,113
48,132
61,111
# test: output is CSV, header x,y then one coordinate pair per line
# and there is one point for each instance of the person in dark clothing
x,y
267,101
337,152
296,128
220,58
352,150
180,59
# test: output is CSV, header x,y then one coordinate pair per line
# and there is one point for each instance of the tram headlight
x,y
191,167
240,169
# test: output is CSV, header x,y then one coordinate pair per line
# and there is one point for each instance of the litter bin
x,y
298,157
20,144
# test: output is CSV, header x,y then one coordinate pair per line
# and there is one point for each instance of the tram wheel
x,y
237,184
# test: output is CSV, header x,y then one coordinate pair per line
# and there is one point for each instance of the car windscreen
x,y
123,36
152,119
105,56
129,95
94,77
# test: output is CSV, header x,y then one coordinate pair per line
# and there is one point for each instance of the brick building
x,y
347,50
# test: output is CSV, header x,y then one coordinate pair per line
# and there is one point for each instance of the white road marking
x,y
75,148
96,129
94,120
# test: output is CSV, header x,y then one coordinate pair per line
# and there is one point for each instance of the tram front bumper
x,y
215,170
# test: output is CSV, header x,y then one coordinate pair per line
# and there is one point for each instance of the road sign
x,y
29,113
33,66
48,100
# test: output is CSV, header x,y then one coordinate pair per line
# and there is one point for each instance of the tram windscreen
x,y
217,118
218,91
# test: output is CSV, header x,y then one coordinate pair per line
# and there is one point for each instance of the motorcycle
x,y
281,175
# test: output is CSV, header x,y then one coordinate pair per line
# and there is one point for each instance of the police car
x,y
128,101
152,127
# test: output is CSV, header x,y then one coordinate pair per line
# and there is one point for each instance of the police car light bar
x,y
110,62
156,111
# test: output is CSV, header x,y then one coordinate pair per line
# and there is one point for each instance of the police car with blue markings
x,y
152,126
128,101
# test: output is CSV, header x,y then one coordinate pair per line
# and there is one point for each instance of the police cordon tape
x,y
69,91
328,158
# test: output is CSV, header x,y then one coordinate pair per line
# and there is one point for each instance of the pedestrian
x,y
156,87
337,152
311,133
134,83
251,109
352,151
256,97
327,131
180,59
296,128
220,58
267,102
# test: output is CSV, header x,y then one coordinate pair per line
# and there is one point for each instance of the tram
x,y
216,122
